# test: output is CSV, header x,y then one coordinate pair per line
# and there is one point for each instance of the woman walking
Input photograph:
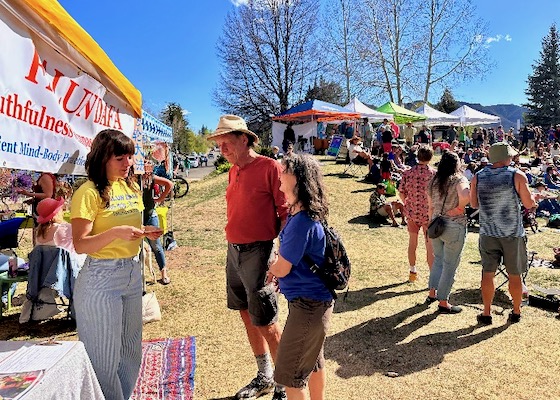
x,y
300,358
448,194
107,225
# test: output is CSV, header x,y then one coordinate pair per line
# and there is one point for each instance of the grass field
x,y
382,327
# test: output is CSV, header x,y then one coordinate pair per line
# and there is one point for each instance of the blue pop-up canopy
x,y
316,110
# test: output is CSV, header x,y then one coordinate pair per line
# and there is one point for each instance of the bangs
x,y
123,146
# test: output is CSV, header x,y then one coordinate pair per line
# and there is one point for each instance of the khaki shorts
x,y
509,251
246,268
300,351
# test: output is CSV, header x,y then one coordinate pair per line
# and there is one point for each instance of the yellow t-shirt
x,y
125,208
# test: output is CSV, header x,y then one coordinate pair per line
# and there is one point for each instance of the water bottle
x,y
12,267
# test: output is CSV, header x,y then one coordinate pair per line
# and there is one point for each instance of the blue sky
x,y
167,48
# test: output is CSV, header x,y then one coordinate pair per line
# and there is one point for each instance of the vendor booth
x,y
469,116
313,116
58,89
372,115
436,117
400,114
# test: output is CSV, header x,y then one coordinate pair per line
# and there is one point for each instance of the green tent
x,y
401,114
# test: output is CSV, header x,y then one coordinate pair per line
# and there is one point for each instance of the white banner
x,y
50,111
156,130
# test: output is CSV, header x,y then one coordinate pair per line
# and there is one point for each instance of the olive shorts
x,y
510,251
300,351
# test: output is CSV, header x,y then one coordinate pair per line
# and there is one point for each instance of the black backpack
x,y
336,269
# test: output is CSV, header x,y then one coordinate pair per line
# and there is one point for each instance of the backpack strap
x,y
316,269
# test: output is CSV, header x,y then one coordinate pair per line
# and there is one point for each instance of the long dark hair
x,y
107,143
309,190
447,167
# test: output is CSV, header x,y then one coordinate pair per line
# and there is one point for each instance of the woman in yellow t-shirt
x,y
106,217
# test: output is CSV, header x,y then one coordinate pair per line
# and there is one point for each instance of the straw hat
x,y
48,208
232,123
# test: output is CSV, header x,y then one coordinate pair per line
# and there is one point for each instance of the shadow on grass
x,y
367,190
377,346
341,175
371,222
11,328
364,297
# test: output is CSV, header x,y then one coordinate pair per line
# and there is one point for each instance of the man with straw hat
x,y
496,191
256,209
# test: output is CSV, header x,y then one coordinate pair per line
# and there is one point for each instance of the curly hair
x,y
447,167
309,189
107,143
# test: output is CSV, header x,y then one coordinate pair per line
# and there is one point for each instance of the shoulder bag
x,y
437,225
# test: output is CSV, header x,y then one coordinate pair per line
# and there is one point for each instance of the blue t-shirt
x,y
303,236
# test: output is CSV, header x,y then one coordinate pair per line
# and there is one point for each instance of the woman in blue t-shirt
x,y
300,356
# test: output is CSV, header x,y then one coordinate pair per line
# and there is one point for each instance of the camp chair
x,y
356,169
502,270
9,241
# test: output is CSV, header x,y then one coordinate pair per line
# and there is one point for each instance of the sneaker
x,y
279,394
514,318
412,276
484,319
450,310
257,387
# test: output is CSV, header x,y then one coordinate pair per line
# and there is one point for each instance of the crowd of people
x,y
288,199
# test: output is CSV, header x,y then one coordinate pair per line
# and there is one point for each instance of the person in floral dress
x,y
413,193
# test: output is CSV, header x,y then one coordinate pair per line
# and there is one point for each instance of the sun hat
x,y
48,208
232,123
500,151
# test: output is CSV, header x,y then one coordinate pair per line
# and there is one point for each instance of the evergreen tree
x,y
447,102
330,92
543,91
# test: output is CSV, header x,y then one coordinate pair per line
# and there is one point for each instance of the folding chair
x,y
355,169
502,270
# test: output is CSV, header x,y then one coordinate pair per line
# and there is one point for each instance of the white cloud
x,y
185,112
498,38
238,3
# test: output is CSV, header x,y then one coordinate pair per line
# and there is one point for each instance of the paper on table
x,y
36,357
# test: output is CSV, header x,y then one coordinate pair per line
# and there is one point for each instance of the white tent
x,y
436,117
366,112
470,116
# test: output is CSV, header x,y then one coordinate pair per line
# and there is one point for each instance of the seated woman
x,y
546,201
357,153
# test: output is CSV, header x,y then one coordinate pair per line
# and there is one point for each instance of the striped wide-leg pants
x,y
108,302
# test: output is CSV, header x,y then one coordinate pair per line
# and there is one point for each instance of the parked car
x,y
211,156
193,161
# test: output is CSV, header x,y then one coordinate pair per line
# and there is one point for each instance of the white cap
x,y
484,159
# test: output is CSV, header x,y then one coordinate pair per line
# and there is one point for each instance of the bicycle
x,y
180,187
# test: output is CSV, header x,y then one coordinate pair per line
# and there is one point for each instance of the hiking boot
x,y
484,319
279,394
257,387
514,318
412,276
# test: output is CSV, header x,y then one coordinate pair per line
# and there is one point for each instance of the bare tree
x,y
413,45
389,28
342,39
268,56
455,48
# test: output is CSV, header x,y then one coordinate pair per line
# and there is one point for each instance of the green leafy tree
x,y
330,92
173,115
543,91
447,102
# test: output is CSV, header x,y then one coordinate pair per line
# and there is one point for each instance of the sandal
x,y
165,281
